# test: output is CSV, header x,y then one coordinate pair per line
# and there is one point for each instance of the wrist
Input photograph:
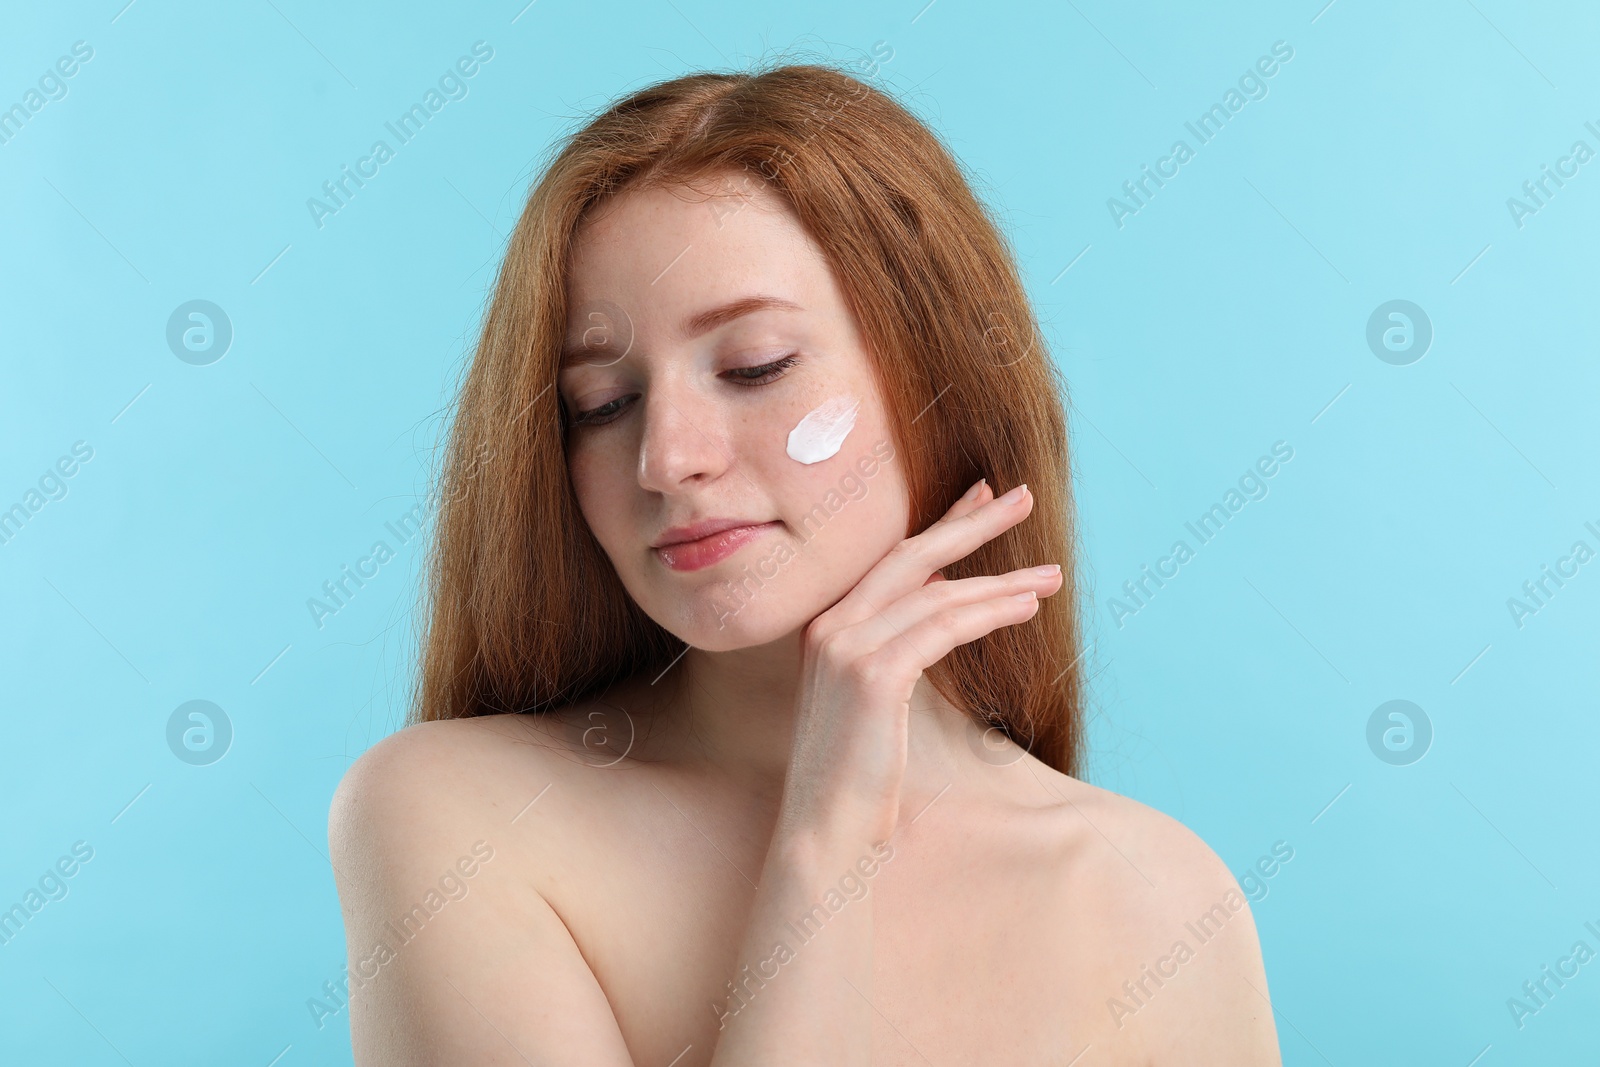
x,y
828,849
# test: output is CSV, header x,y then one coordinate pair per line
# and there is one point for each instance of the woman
x,y
750,705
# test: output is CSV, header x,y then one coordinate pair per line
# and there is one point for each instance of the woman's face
x,y
700,333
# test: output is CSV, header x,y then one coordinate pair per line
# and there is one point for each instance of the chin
x,y
724,617
742,633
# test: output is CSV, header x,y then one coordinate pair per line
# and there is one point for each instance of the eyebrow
x,y
711,318
703,322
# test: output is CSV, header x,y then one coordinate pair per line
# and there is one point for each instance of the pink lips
x,y
690,548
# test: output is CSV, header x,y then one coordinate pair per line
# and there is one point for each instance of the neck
x,y
733,714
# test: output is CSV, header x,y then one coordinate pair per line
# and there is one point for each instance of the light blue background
x,y
1228,314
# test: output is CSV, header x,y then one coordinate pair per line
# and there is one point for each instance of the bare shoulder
x,y
419,756
1114,835
415,803
414,766
432,774
419,796
1177,967
446,921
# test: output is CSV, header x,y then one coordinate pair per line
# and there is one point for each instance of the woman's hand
x,y
863,657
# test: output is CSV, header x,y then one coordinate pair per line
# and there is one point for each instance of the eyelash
x,y
761,375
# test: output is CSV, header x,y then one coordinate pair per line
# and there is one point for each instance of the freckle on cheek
x,y
821,433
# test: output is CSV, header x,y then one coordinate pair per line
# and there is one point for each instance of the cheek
x,y
852,507
824,429
596,477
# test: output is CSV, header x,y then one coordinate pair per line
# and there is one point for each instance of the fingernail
x,y
1029,595
972,494
1015,496
1048,571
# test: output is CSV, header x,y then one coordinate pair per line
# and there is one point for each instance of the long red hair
x,y
524,612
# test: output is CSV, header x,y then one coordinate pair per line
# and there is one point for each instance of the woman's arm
x,y
1173,968
802,988
809,1003
482,971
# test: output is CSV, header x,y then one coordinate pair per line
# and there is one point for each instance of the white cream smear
x,y
821,433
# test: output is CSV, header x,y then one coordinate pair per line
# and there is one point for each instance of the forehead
x,y
656,256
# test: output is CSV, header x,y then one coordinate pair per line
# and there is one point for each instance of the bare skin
x,y
967,903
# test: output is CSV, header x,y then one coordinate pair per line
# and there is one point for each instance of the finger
x,y
928,642
974,498
908,565
910,610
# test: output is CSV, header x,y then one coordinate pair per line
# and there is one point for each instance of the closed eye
x,y
763,374
759,375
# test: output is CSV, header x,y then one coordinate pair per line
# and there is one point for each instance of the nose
x,y
681,445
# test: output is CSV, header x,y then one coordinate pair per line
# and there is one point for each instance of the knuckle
x,y
822,637
869,671
943,623
830,646
816,630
